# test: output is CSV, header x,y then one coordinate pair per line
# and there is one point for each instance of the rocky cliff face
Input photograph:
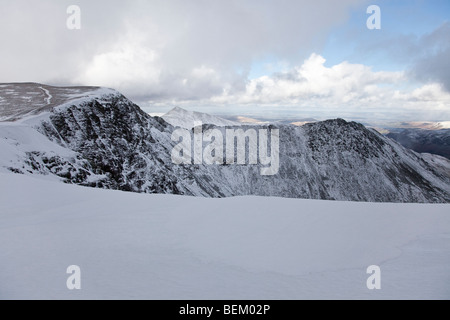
x,y
107,141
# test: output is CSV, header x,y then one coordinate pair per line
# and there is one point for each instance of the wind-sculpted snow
x,y
111,143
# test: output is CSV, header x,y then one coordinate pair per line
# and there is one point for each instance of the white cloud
x,y
313,82
122,67
343,87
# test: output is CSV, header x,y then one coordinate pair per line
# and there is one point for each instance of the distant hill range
x,y
423,141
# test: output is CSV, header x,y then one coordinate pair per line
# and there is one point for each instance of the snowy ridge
x,y
109,142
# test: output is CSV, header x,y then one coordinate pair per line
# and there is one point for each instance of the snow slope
x,y
135,246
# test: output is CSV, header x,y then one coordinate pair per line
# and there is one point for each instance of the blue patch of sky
x,y
352,41
405,20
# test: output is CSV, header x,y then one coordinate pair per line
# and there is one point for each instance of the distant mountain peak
x,y
178,109
179,117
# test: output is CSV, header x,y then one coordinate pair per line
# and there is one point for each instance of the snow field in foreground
x,y
171,247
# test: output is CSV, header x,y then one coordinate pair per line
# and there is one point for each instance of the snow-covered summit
x,y
179,117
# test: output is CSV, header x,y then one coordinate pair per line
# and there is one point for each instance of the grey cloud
x,y
224,36
37,46
434,62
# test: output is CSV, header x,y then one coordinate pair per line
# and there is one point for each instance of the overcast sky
x,y
315,58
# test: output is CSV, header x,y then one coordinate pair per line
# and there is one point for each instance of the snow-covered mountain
x,y
101,139
179,117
